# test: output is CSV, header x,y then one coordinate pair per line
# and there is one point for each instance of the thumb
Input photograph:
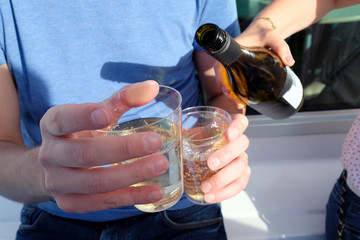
x,y
130,96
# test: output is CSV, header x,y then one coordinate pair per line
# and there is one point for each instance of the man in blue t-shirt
x,y
57,59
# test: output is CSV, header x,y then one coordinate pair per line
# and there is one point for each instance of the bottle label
x,y
294,93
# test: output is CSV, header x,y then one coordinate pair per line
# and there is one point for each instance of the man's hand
x,y
72,157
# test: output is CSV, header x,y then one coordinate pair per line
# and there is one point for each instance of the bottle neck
x,y
218,43
229,52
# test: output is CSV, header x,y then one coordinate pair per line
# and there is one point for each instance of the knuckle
x,y
138,173
98,184
110,203
44,156
125,147
134,195
138,195
85,156
49,122
55,128
50,185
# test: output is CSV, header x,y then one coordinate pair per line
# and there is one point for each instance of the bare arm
x,y
64,167
289,17
21,176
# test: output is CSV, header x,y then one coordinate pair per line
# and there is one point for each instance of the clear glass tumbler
x,y
203,133
163,116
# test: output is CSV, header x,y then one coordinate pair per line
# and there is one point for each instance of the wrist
x,y
273,26
38,192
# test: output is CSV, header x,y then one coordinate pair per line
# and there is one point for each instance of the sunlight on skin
x,y
227,87
134,95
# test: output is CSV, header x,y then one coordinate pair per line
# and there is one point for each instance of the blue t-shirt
x,y
67,51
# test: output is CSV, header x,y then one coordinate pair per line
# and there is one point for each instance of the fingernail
x,y
160,165
156,195
100,117
214,163
152,142
290,60
206,187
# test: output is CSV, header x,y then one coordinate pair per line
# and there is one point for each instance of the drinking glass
x,y
203,133
163,116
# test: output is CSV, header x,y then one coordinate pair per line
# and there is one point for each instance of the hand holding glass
x,y
163,116
203,133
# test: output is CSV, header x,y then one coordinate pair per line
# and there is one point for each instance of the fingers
x,y
100,180
223,81
71,156
134,95
237,143
282,49
97,151
232,163
278,45
83,203
259,34
237,126
227,186
69,118
227,182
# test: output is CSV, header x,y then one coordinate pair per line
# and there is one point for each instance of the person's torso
x,y
78,51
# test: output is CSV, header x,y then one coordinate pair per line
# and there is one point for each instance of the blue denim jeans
x,y
195,222
351,214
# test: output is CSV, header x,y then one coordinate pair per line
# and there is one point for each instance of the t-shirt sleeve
x,y
222,13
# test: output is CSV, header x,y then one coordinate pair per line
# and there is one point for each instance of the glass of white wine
x,y
203,133
163,116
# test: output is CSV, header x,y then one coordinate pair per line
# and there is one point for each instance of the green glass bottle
x,y
258,76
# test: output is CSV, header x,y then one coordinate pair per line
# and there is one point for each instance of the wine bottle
x,y
258,76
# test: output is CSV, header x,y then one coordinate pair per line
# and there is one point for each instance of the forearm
x,y
21,175
291,16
